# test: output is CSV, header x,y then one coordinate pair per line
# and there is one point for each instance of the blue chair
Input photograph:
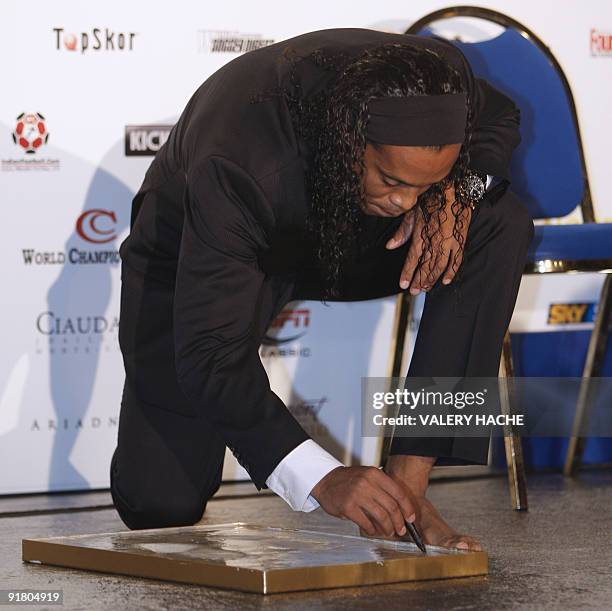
x,y
549,174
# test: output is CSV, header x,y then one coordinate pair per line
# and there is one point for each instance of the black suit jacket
x,y
224,230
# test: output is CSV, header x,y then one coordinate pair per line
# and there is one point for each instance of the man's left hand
x,y
443,253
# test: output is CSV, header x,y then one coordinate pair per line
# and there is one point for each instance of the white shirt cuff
x,y
299,472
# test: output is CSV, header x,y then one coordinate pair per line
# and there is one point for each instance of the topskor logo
x,y
97,39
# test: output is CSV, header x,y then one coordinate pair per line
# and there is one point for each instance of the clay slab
x,y
252,558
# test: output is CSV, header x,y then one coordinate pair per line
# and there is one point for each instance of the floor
x,y
556,556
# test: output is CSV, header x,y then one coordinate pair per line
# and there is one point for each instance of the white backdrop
x,y
77,75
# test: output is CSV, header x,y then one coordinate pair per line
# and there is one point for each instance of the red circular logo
x,y
93,225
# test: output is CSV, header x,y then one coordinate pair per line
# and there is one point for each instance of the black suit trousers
x,y
167,465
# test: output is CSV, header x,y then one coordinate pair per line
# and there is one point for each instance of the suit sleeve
x,y
495,132
221,311
495,118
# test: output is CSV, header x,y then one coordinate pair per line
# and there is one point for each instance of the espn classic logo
x,y
297,320
145,140
601,43
281,340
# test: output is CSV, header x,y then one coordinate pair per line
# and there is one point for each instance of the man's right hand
x,y
368,497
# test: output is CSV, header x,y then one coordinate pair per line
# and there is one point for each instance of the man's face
x,y
395,176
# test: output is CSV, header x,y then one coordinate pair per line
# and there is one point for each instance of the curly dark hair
x,y
332,123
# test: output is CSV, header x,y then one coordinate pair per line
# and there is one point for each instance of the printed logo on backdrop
x,y
220,41
30,133
30,136
87,334
307,413
57,425
571,313
95,40
289,326
91,226
95,226
601,43
145,140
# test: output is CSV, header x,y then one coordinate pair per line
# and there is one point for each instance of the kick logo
x,y
145,140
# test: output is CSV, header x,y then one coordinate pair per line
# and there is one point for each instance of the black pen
x,y
416,536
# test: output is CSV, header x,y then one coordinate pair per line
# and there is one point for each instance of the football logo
x,y
30,132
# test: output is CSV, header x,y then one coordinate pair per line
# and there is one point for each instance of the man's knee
x,y
157,511
155,508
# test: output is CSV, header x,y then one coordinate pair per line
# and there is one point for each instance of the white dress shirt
x,y
304,467
299,472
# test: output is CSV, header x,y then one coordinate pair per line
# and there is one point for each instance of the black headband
x,y
418,120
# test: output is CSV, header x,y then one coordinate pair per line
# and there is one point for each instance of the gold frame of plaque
x,y
252,558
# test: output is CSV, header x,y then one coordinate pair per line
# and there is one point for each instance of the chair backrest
x,y
548,170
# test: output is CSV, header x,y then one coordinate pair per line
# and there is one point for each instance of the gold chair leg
x,y
403,311
517,480
592,369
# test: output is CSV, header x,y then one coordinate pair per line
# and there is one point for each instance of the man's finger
x,y
391,506
455,261
423,275
379,516
361,519
411,262
403,233
435,271
420,271
398,493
